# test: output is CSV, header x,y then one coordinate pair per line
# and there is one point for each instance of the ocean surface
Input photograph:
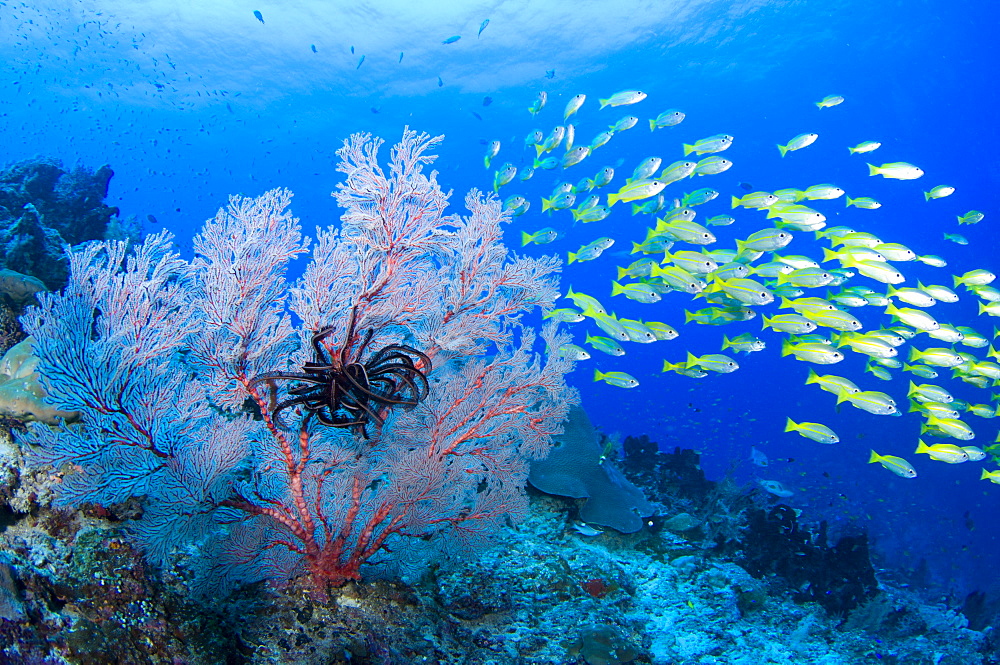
x,y
190,103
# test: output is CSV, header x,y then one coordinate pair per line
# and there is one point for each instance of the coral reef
x,y
172,366
21,394
575,468
44,206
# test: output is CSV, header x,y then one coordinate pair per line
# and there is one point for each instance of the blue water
x,y
191,105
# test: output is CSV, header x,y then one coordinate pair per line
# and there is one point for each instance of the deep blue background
x,y
234,115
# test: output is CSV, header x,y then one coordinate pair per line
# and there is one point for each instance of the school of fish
x,y
855,269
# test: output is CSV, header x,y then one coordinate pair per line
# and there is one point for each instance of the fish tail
x,y
736,202
691,359
790,425
914,355
539,149
783,150
622,272
849,202
872,170
786,348
652,125
604,102
486,161
875,457
572,257
819,104
613,199
526,238
829,255
636,207
688,317
956,281
927,196
597,375
985,474
616,288
546,204
851,150
688,149
921,447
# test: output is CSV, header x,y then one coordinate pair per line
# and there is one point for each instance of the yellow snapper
x,y
491,151
795,324
766,240
823,192
865,146
952,427
573,352
628,122
872,401
712,165
897,465
864,202
645,169
573,105
668,118
591,250
813,352
939,192
914,318
746,291
755,200
713,362
584,302
896,170
635,191
746,343
623,98
938,357
971,217
662,331
836,319
715,143
677,171
797,143
503,176
815,431
975,277
575,156
832,383
830,100
619,379
605,345
540,237
639,292
992,476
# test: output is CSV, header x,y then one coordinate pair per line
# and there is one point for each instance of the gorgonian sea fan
x,y
160,355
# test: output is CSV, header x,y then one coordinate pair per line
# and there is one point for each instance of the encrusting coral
x,y
21,393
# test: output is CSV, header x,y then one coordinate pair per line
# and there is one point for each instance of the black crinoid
x,y
341,391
